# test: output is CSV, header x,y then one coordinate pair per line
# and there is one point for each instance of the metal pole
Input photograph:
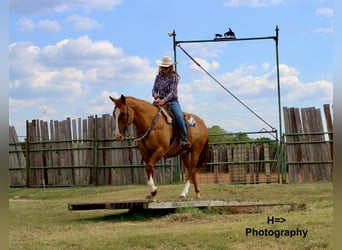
x,y
173,34
283,162
177,161
278,85
227,40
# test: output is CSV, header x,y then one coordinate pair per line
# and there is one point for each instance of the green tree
x,y
218,134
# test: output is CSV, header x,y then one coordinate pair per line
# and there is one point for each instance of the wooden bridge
x,y
234,206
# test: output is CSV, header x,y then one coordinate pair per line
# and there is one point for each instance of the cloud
x,y
49,26
209,66
82,23
252,3
325,12
211,50
68,69
294,90
43,6
28,25
325,30
253,82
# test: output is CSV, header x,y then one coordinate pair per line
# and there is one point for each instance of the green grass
x,y
39,219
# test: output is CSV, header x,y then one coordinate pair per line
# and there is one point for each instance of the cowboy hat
x,y
165,62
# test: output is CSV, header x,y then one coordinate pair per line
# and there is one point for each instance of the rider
x,y
165,91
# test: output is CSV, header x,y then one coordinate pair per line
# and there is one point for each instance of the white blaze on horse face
x,y
186,189
117,131
150,183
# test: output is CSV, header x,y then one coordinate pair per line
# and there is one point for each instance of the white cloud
x,y
66,71
246,82
28,25
82,23
253,3
81,50
325,12
211,50
209,66
49,26
327,30
43,6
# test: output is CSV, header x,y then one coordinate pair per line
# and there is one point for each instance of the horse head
x,y
123,116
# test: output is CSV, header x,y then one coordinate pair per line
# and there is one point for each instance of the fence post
x,y
27,152
95,163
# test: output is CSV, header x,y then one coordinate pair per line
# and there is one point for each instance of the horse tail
x,y
204,155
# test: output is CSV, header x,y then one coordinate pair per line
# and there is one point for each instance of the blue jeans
x,y
177,112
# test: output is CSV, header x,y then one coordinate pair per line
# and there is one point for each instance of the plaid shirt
x,y
166,87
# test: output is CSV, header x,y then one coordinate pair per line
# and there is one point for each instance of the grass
x,y
39,219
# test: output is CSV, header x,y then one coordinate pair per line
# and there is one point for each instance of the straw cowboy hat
x,y
165,62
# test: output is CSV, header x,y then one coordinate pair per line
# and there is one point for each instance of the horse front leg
x,y
150,181
185,191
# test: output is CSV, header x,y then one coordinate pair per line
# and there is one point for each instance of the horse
x,y
156,139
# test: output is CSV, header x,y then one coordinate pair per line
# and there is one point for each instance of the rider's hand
x,y
160,102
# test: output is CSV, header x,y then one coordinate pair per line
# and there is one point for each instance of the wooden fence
x,y
84,152
309,149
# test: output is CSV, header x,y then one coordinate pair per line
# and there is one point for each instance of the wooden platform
x,y
234,205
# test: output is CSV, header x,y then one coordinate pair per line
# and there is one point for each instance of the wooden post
x,y
27,155
329,128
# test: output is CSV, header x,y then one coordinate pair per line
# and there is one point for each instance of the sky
x,y
67,56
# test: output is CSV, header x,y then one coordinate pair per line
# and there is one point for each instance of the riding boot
x,y
185,144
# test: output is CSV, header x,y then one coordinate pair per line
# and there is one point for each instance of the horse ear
x,y
113,100
123,99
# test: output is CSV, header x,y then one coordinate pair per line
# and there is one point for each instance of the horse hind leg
x,y
190,164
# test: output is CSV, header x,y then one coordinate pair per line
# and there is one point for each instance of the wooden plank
x,y
47,157
237,206
330,129
311,124
75,152
267,164
85,157
251,166
36,158
100,172
107,156
16,160
90,155
294,152
69,153
54,133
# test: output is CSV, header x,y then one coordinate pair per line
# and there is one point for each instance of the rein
x,y
153,123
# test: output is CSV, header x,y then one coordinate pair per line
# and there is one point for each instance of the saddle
x,y
166,111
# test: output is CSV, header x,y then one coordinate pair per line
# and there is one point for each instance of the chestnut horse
x,y
156,139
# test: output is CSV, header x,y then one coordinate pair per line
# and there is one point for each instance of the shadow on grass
x,y
132,215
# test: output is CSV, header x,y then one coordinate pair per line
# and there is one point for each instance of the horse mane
x,y
131,99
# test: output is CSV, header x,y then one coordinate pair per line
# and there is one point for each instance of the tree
x,y
218,134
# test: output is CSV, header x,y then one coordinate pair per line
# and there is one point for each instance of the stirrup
x,y
185,144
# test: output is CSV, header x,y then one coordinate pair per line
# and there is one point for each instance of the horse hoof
x,y
151,195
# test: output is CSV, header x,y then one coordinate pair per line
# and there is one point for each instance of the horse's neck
x,y
143,113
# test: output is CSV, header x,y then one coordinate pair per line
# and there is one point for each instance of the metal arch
x,y
275,38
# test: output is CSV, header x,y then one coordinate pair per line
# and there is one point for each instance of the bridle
x,y
153,123
127,118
